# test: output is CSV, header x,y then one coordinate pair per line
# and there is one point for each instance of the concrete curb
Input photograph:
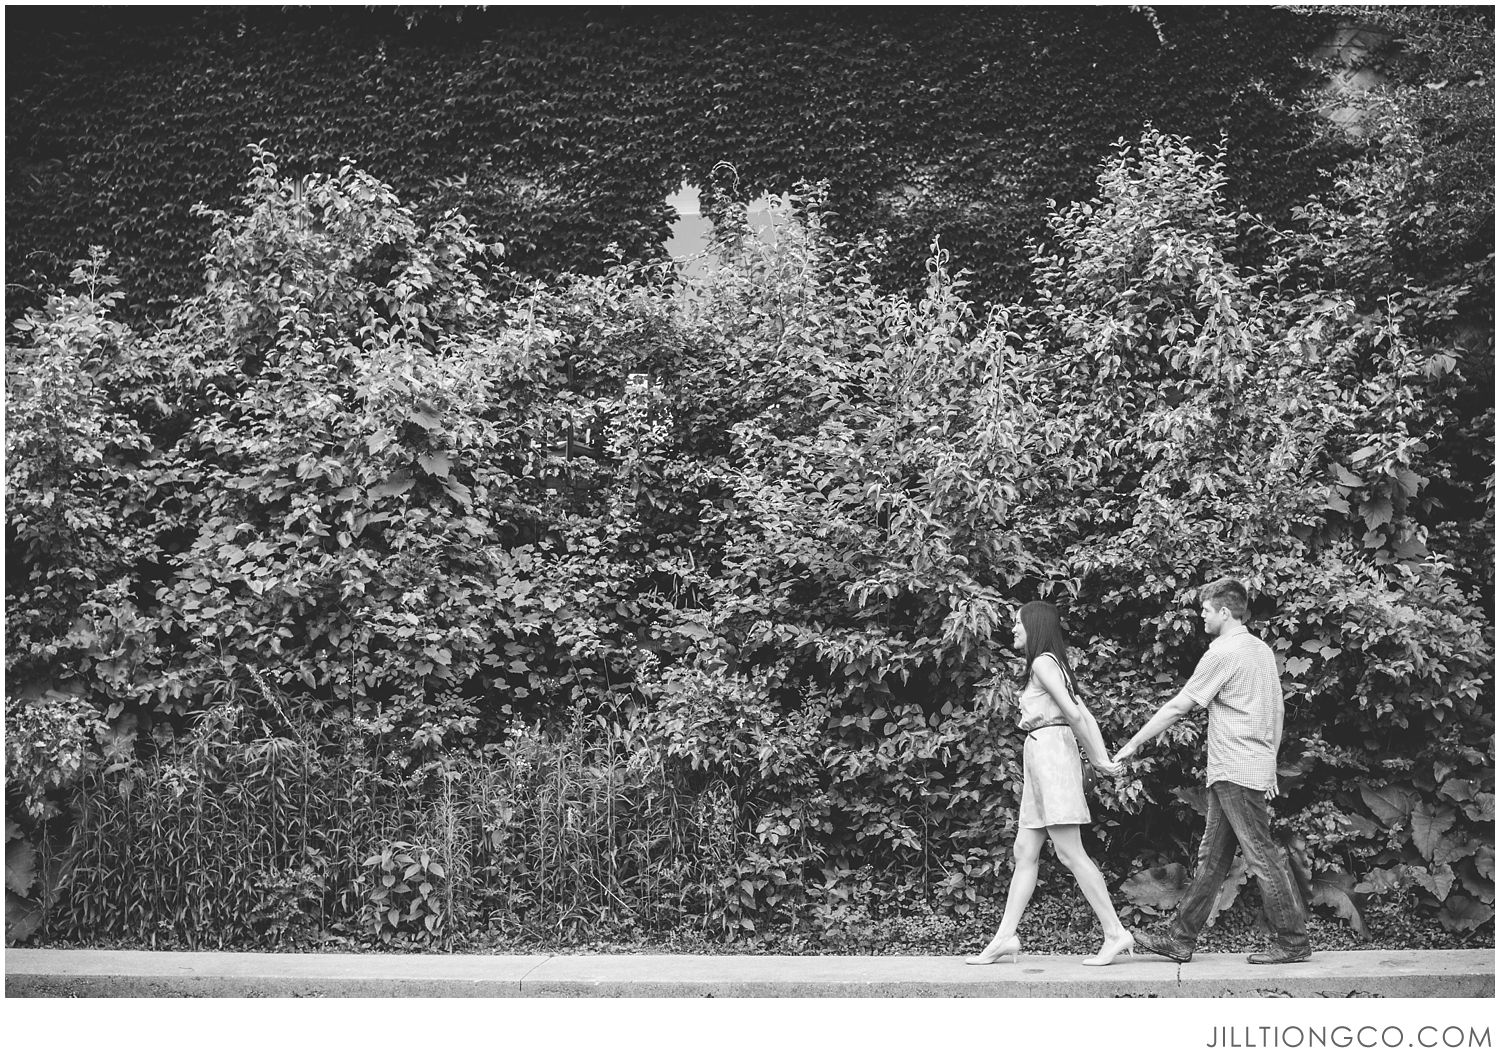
x,y
124,973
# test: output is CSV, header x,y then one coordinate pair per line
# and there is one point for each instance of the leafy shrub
x,y
1252,426
404,893
74,491
921,472
49,749
643,605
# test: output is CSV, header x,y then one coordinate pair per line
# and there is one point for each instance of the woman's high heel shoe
x,y
1111,950
1009,947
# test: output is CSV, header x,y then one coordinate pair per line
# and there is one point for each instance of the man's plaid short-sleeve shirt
x,y
1238,682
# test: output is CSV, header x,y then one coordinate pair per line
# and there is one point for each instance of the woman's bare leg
x,y
1070,851
1028,852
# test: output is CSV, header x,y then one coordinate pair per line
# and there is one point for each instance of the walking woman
x,y
1052,800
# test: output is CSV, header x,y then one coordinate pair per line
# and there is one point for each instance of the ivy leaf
x,y
1391,804
458,492
1427,828
1297,666
693,630
1345,477
394,486
1408,548
437,463
1407,483
1376,512
1197,797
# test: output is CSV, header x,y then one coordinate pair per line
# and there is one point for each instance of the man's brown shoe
x,y
1278,955
1162,945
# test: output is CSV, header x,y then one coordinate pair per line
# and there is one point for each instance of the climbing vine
x,y
562,132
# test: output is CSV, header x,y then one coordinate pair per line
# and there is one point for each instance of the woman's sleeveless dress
x,y
1052,774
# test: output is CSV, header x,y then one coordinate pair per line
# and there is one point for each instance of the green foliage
x,y
1374,235
350,490
920,473
349,468
72,483
404,893
49,752
23,914
244,838
1432,833
590,827
48,749
1435,107
1157,889
626,603
1408,231
857,591
1411,218
1241,422
563,132
234,834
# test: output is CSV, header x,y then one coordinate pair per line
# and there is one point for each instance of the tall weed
x,y
227,839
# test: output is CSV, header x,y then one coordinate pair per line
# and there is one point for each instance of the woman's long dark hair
x,y
1044,635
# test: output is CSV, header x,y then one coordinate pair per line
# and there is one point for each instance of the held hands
x,y
1117,764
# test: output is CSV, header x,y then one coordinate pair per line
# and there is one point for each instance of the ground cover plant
x,y
384,597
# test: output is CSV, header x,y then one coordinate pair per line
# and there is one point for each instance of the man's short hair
x,y
1227,592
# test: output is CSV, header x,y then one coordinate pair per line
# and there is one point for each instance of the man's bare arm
x,y
1164,718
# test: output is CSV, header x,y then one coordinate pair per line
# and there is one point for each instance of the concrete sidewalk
x,y
124,973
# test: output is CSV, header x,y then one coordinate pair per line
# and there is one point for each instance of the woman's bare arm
x,y
1084,726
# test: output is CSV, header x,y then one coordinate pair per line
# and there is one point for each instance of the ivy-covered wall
x,y
561,131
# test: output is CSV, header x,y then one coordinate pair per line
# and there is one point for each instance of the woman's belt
x,y
1039,727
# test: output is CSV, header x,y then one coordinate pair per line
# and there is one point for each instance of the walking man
x,y
1238,682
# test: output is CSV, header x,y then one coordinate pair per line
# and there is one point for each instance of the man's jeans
x,y
1239,813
